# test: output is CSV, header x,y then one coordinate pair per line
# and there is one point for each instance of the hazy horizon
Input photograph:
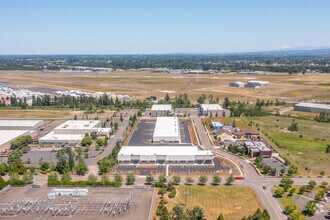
x,y
163,27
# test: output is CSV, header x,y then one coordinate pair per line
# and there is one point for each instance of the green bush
x,y
24,140
172,194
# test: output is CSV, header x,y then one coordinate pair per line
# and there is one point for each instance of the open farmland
x,y
144,84
34,113
234,202
308,151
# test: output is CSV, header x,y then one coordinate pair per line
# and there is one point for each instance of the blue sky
x,y
160,26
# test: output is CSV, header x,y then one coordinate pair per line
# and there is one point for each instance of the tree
x,y
216,180
176,179
286,181
86,141
66,177
162,192
189,180
81,168
65,160
162,178
230,179
302,190
92,178
289,209
324,184
296,215
28,177
178,213
167,97
320,195
44,166
293,126
279,192
197,213
2,183
202,180
292,170
53,177
220,217
310,208
118,178
322,173
149,179
328,149
130,179
99,141
282,170
312,183
292,191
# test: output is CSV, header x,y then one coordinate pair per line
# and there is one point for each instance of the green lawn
x,y
307,151
234,202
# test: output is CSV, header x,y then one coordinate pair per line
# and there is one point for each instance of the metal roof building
x,y
207,109
161,110
18,124
6,136
167,129
71,132
164,154
312,107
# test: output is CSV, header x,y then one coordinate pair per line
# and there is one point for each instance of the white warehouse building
x,y
164,154
167,129
236,84
312,107
214,109
161,110
21,124
71,132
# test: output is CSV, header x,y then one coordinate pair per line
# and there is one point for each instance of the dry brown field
x,y
143,84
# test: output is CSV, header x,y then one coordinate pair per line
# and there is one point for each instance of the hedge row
x,y
20,142
82,183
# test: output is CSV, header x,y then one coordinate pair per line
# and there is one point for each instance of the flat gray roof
x,y
313,105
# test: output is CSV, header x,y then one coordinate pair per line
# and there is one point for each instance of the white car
x,y
326,200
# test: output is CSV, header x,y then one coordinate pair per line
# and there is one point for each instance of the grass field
x,y
34,113
144,84
307,151
234,202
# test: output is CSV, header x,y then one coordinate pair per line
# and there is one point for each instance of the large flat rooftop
x,y
313,105
78,124
211,107
167,127
161,107
9,135
163,150
19,123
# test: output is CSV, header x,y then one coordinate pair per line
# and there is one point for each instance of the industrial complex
x,y
72,132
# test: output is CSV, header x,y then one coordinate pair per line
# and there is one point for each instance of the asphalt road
x,y
252,179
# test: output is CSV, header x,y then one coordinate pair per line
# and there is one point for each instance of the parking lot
x,y
273,164
144,130
178,168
